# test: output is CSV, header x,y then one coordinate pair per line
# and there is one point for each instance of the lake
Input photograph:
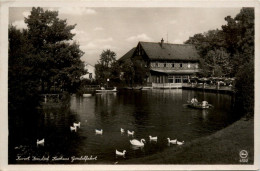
x,y
161,113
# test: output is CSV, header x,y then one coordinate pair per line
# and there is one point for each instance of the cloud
x,y
89,45
77,11
98,29
109,47
76,31
109,39
20,24
140,37
26,14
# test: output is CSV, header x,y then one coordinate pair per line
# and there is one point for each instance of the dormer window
x,y
173,65
180,65
164,65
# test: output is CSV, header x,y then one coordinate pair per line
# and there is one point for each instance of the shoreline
x,y
221,147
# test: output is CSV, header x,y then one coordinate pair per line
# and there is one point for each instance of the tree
x,y
230,52
23,92
127,68
239,35
58,61
217,62
107,68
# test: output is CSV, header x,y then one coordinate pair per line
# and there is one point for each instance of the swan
x,y
137,143
130,133
172,141
40,142
120,153
76,124
180,143
73,128
122,130
152,138
99,131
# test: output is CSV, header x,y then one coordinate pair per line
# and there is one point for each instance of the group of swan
x,y
99,131
75,126
175,141
40,142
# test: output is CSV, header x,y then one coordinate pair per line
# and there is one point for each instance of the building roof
x,y
128,55
169,51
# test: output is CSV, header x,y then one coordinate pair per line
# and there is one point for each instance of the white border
x,y
4,14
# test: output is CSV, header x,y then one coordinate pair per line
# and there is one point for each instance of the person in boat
x,y
194,100
204,103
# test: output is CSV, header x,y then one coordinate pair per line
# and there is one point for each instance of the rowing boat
x,y
105,91
199,106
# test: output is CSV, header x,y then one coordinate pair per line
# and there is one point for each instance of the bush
x,y
245,88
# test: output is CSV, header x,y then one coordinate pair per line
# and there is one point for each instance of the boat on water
x,y
87,95
202,105
147,88
198,106
103,90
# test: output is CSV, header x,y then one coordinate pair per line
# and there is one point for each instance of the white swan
x,y
137,143
172,141
99,131
120,153
130,133
152,138
76,124
73,128
122,130
40,142
180,143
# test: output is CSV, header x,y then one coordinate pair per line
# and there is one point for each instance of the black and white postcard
x,y
127,85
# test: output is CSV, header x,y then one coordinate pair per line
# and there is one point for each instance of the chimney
x,y
162,42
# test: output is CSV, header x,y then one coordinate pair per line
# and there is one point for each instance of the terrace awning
x,y
174,71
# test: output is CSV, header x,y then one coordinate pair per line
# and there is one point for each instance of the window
x,y
177,79
196,66
181,65
170,79
173,65
156,64
188,65
164,65
90,75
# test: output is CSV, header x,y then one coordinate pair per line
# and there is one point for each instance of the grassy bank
x,y
222,147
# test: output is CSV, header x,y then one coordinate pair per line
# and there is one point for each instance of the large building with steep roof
x,y
168,63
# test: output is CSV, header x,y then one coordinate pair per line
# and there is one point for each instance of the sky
x,y
120,29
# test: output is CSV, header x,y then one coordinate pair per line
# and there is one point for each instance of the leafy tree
x,y
217,61
141,71
58,62
127,68
107,68
23,92
239,35
230,52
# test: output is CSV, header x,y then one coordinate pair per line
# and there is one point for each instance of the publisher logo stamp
x,y
243,156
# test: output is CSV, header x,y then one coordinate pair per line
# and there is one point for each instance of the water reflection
x,y
161,113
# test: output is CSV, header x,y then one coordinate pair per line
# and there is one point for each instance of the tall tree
x,y
107,67
23,81
230,51
58,61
